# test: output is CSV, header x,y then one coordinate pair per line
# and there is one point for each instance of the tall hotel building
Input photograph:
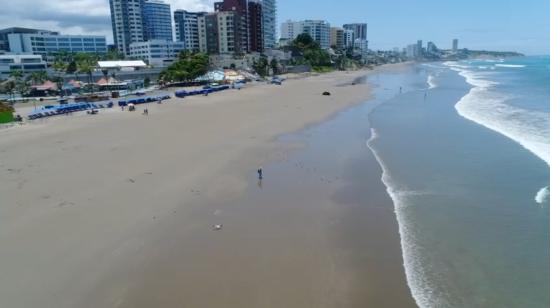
x,y
269,23
127,23
157,20
187,28
239,33
255,26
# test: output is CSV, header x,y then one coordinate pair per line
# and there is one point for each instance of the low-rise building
x,y
44,43
4,43
159,53
25,63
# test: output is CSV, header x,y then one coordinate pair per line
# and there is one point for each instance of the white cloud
x,y
74,16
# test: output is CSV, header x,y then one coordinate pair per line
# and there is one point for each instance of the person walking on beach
x,y
260,173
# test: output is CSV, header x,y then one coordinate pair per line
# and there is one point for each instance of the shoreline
x,y
187,196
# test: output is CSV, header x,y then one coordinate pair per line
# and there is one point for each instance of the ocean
x,y
465,154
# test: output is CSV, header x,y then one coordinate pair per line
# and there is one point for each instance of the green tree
x,y
87,68
261,67
16,74
38,77
274,66
113,55
187,67
71,68
305,41
308,51
20,85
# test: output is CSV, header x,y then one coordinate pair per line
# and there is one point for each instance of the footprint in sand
x,y
21,184
65,203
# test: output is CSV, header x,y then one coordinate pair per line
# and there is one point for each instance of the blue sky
x,y
483,24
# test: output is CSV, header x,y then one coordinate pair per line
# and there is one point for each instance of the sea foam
x,y
421,288
431,82
510,65
543,195
487,107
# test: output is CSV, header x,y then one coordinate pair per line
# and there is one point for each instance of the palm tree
x,y
60,66
16,74
38,77
86,67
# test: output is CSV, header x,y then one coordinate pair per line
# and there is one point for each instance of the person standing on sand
x,y
260,173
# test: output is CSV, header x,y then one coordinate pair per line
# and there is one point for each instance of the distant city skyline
x,y
491,24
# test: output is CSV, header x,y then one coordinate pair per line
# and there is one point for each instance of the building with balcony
x,y
187,28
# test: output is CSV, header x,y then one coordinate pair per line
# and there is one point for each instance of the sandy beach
x,y
116,210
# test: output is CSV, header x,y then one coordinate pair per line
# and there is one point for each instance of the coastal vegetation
x,y
306,51
6,113
188,66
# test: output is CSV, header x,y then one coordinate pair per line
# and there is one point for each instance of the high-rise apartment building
x,y
187,28
157,21
127,23
455,45
419,48
291,29
239,22
208,33
359,30
255,26
269,23
349,38
337,39
319,30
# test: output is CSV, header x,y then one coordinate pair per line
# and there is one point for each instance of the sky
x,y
516,25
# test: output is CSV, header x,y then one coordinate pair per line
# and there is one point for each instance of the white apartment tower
x,y
319,30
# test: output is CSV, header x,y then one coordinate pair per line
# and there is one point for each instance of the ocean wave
x,y
543,195
431,82
510,65
421,288
494,61
529,128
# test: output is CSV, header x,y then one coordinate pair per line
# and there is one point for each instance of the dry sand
x,y
116,210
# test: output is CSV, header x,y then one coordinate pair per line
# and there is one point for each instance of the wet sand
x,y
117,210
